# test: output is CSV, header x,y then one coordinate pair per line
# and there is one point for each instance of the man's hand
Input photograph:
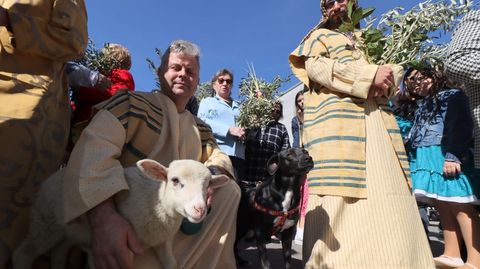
x,y
451,169
210,192
4,19
103,83
113,238
382,82
237,132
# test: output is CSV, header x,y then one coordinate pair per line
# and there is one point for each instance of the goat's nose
x,y
199,210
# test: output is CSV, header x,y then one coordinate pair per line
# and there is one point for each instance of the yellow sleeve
x,y
352,78
94,172
56,31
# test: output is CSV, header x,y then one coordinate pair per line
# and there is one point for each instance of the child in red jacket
x,y
117,77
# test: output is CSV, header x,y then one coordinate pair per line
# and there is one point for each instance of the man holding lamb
x,y
137,125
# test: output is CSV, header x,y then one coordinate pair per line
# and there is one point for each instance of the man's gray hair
x,y
180,47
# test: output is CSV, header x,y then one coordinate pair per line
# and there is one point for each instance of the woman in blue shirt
x,y
220,112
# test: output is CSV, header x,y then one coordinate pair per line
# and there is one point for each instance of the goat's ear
x,y
218,181
272,164
153,169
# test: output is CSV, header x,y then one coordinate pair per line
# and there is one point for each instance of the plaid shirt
x,y
463,65
266,143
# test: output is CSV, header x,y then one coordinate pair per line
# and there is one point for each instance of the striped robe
x,y
135,125
333,107
360,213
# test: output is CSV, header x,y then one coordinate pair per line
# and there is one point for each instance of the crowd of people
x,y
359,206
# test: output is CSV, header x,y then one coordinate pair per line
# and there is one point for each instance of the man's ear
x,y
153,169
272,164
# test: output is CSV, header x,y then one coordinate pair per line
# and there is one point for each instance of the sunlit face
x,y
180,77
420,84
336,11
223,86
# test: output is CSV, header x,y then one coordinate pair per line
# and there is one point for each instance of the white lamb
x,y
157,200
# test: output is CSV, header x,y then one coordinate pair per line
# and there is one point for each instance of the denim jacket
x,y
221,116
296,132
446,121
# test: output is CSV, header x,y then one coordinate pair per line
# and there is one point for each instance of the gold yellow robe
x,y
34,115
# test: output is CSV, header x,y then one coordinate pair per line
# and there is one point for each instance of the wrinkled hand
x,y
103,83
451,169
382,82
113,238
210,192
237,132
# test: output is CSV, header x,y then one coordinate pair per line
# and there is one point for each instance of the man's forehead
x,y
181,58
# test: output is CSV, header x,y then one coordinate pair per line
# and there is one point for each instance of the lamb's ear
x,y
218,181
272,164
153,169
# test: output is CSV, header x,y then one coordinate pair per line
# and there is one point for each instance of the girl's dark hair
x,y
296,97
407,98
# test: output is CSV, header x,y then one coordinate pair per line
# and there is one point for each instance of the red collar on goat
x,y
282,214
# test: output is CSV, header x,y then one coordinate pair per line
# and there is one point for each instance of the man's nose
x,y
336,5
182,72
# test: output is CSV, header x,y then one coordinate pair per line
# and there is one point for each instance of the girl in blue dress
x,y
441,168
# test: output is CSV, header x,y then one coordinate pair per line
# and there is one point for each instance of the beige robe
x,y
150,123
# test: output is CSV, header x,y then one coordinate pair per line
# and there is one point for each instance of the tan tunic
x,y
34,115
361,214
132,126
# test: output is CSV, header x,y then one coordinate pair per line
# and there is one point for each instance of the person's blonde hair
x,y
118,55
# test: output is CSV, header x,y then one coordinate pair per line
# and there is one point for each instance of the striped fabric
x,y
136,111
334,130
381,232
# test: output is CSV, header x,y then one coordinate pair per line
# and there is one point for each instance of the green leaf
x,y
367,12
356,16
346,27
350,9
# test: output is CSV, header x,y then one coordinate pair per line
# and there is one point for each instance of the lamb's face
x,y
187,184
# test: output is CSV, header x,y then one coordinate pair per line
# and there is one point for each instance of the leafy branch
x,y
406,39
99,59
257,97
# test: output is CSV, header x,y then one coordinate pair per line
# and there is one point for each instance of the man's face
x,y
336,11
276,112
179,78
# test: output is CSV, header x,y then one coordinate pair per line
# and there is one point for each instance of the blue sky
x,y
229,33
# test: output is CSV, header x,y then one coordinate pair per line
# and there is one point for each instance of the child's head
x,y
118,55
425,82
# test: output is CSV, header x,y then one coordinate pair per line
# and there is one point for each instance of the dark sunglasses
x,y
330,3
221,81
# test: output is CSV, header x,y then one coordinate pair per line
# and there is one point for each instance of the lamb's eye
x,y
176,182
